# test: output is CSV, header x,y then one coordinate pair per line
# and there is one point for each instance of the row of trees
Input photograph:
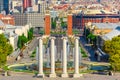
x,y
112,47
23,39
5,49
90,37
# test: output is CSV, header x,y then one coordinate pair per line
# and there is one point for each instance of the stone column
x,y
64,74
52,73
40,58
80,55
76,58
48,58
37,52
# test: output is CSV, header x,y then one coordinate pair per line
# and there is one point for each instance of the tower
x,y
47,22
69,23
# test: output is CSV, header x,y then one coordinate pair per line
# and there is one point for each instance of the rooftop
x,y
112,34
106,25
95,11
1,24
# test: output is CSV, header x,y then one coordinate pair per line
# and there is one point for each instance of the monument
x,y
52,51
64,58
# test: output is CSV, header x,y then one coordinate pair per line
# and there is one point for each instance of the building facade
x,y
1,5
4,5
80,20
35,19
7,19
26,4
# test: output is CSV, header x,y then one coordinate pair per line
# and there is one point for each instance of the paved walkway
x,y
27,52
84,77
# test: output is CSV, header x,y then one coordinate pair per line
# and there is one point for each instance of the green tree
x,y
30,34
112,47
92,37
31,30
5,49
53,23
21,41
63,24
75,31
115,62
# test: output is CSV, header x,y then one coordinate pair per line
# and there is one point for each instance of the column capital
x,y
52,38
77,38
64,38
40,38
47,14
69,14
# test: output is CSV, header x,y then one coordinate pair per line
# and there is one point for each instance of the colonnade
x,y
64,58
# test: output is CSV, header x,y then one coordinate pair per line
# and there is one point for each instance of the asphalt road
x,y
89,49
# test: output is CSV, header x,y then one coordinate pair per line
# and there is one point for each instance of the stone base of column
x,y
64,75
40,75
52,75
77,75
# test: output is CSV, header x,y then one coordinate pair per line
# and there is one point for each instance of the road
x,y
89,49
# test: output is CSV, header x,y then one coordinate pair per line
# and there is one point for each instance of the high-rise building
x,y
1,5
98,1
42,7
4,5
16,6
36,2
26,4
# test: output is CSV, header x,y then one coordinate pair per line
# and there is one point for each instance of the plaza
x,y
24,76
